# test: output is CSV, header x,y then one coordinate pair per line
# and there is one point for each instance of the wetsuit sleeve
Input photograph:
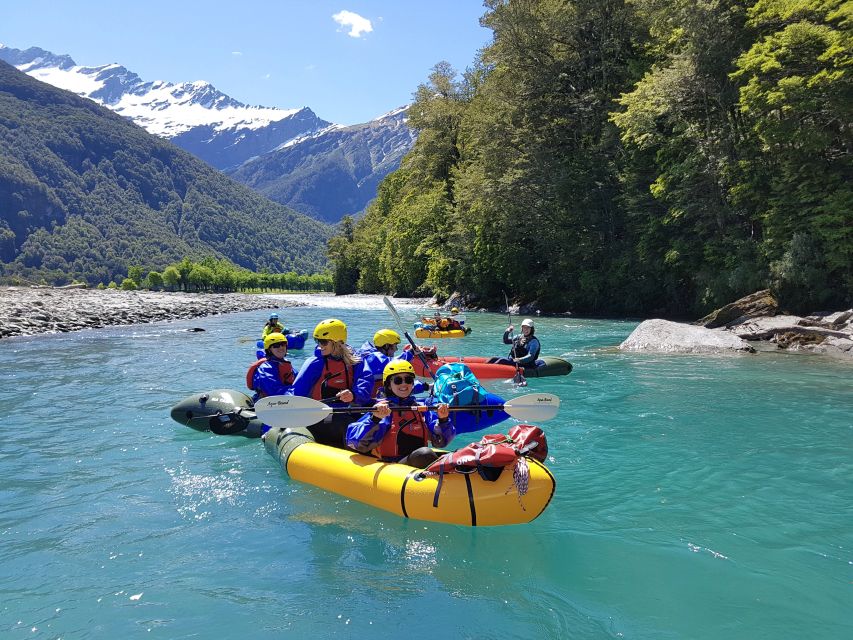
x,y
267,382
307,377
363,383
507,339
364,434
532,353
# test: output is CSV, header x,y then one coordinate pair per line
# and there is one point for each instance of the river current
x,y
697,497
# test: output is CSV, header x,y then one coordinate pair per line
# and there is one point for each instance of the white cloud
x,y
236,53
357,24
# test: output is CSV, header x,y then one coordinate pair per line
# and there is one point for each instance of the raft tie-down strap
x,y
411,474
438,487
471,500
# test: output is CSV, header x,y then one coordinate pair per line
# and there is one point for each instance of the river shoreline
x,y
36,310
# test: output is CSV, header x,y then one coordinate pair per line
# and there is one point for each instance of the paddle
x,y
298,411
415,349
518,378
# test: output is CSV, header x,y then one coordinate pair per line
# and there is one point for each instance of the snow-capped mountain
x,y
333,172
292,156
194,115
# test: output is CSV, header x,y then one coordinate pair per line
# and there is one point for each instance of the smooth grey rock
x,y
665,336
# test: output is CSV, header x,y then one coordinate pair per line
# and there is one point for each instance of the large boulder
x,y
674,337
758,304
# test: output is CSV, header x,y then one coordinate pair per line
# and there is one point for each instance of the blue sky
x,y
349,61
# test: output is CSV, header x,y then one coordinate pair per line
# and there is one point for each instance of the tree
x,y
345,264
155,280
135,273
171,277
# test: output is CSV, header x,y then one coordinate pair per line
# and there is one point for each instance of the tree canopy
x,y
629,157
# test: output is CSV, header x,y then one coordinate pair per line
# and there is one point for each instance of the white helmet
x,y
527,322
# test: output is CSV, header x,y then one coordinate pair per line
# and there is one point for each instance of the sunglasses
x,y
278,345
404,379
321,341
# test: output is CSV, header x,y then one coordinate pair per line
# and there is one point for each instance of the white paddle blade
x,y
393,311
291,411
533,407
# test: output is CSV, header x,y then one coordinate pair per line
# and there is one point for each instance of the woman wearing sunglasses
x,y
399,428
334,375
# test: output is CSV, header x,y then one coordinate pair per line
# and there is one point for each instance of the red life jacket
x,y
411,426
285,374
336,377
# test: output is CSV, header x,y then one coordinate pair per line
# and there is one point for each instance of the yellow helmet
x,y
397,366
454,310
331,329
274,338
385,336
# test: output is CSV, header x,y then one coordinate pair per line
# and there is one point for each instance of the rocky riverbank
x,y
753,320
31,311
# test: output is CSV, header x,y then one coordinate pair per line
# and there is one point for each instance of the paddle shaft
x,y
291,411
415,348
519,374
423,408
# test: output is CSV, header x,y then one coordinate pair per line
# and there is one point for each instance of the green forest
x,y
85,194
626,157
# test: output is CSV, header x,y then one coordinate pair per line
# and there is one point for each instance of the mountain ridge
x,y
84,193
333,172
172,110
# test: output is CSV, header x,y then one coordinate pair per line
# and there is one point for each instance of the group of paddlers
x,y
395,425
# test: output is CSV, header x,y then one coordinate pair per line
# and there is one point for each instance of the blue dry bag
x,y
456,385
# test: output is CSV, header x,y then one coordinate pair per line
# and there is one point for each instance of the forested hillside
x,y
642,157
84,194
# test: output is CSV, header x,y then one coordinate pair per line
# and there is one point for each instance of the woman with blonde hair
x,y
334,375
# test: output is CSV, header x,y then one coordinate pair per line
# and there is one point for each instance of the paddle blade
x,y
291,411
393,311
533,407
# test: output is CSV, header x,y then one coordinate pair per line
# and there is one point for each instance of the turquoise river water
x,y
697,497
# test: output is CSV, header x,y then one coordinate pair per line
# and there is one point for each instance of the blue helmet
x,y
273,316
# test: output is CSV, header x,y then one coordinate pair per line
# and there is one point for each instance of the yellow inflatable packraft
x,y
426,333
465,499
